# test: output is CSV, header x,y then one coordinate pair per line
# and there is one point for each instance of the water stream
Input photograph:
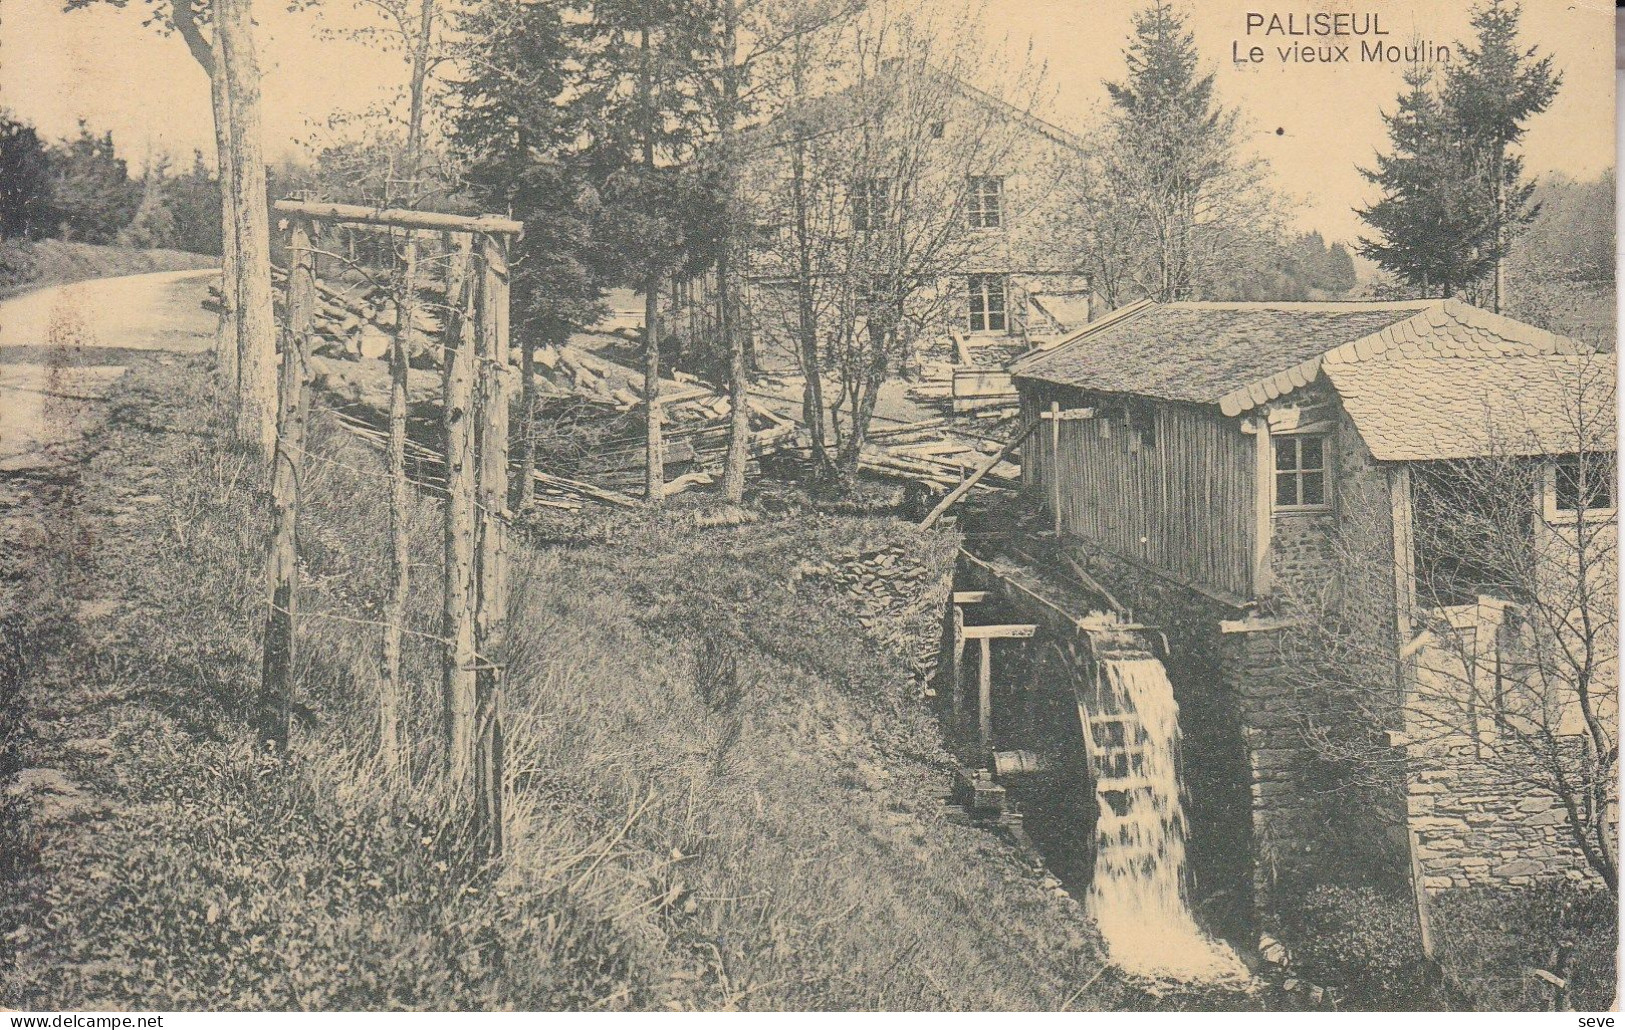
x,y
1138,896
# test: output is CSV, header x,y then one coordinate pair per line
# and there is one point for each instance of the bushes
x,y
1362,943
1489,942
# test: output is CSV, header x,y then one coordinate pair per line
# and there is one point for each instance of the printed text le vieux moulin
x,y
1324,37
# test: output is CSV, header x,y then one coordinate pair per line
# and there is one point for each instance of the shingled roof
x,y
1240,355
1199,351
1427,408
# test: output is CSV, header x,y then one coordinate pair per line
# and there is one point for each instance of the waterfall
x,y
1138,897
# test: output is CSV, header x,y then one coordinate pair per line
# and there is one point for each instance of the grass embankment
x,y
678,839
30,264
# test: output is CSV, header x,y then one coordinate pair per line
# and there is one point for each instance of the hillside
x,y
683,838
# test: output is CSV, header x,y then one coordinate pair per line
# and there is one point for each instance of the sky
x,y
1316,124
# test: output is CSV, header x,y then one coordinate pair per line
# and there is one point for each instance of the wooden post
x,y
1055,463
282,565
457,614
956,658
964,488
491,607
1263,505
984,695
390,687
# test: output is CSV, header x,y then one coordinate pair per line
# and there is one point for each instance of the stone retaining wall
x,y
1474,830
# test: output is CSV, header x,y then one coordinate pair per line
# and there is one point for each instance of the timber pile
x,y
934,453
696,419
358,324
898,599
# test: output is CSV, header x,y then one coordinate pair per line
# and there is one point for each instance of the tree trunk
x,y
491,579
225,347
256,322
282,565
654,480
457,622
733,472
391,692
655,470
527,425
812,400
210,56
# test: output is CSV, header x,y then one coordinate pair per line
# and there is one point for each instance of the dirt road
x,y
60,349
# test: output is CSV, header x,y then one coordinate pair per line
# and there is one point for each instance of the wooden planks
x,y
1174,489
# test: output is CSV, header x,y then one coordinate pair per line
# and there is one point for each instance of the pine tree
x,y
1432,236
514,138
94,197
633,90
1488,96
1169,197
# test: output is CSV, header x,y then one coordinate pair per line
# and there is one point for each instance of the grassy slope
x,y
787,852
28,265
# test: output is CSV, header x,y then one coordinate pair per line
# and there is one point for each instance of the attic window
x,y
1301,463
870,203
986,201
937,129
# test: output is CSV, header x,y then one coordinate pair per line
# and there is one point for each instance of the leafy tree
x,y
193,199
869,190
92,193
27,210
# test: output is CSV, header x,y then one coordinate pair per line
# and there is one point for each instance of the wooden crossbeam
x,y
971,596
1010,631
1059,414
356,214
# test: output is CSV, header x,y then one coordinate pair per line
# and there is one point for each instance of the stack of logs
x,y
357,322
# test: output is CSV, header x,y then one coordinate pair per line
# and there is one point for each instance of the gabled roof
x,y
1411,408
1200,351
842,106
1241,355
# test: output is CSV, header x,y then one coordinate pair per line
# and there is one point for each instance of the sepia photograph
x,y
669,506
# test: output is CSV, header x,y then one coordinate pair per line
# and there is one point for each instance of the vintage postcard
x,y
783,505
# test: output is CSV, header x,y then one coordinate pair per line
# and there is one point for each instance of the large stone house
x,y
964,193
1244,473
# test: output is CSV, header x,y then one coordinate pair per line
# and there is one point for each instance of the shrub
x,y
1362,943
1489,943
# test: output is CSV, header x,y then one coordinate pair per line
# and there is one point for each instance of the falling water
x,y
1138,896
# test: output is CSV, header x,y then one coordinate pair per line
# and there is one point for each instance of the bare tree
x,y
1512,669
873,187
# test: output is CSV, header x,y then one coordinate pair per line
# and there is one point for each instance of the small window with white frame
x,y
986,202
1580,485
987,303
1302,465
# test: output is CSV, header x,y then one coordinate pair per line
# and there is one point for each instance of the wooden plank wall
x,y
1180,499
